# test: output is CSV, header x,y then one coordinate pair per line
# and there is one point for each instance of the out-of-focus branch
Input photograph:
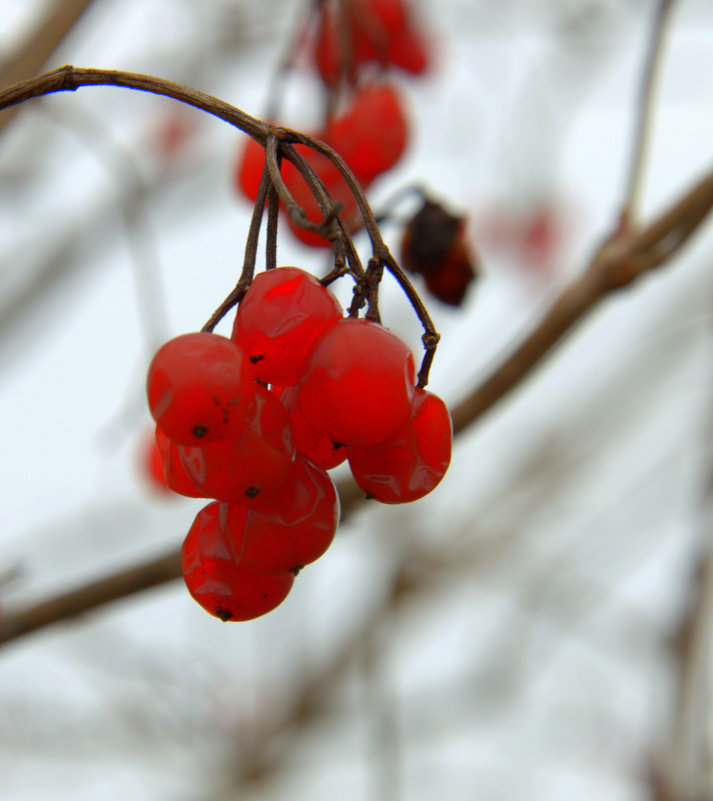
x,y
622,259
29,58
644,112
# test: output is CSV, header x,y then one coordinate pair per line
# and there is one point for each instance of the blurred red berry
x,y
371,135
249,169
434,245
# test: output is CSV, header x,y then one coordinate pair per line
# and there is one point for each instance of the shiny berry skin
x,y
254,464
279,319
174,475
201,389
294,529
410,463
358,383
320,450
217,582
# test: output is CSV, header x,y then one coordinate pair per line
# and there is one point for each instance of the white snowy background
x,y
526,651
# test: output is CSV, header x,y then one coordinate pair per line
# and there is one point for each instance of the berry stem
x,y
246,276
69,79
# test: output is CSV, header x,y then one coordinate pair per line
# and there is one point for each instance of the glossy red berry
x,y
358,383
214,578
174,475
410,463
252,465
201,389
279,320
291,531
320,450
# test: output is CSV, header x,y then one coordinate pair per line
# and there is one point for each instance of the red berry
x,y
358,383
291,531
201,388
174,475
336,57
249,169
320,450
409,50
221,586
411,462
372,134
279,319
254,464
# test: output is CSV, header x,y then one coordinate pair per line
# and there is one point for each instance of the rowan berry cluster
x,y
255,421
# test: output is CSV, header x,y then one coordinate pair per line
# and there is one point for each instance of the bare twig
x,y
644,115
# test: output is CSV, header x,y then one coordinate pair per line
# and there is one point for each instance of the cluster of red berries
x,y
356,42
255,421
371,136
355,34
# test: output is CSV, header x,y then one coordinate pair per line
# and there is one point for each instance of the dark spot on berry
x,y
338,445
265,596
256,359
216,400
223,614
252,492
200,431
295,570
369,496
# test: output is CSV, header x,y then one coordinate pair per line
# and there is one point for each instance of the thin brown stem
x,y
69,78
246,276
